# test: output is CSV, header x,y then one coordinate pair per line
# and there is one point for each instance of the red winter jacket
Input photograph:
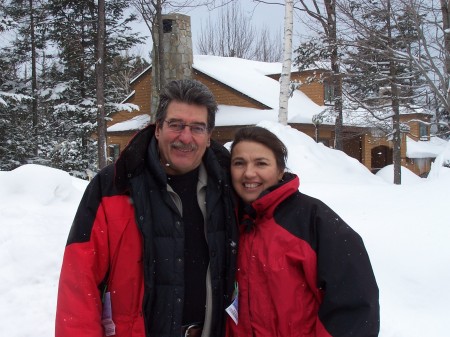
x,y
302,271
113,237
128,234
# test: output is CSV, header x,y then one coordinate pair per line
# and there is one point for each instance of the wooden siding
x,y
142,98
120,138
314,90
226,95
414,122
224,134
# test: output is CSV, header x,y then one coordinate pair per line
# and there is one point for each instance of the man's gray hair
x,y
190,92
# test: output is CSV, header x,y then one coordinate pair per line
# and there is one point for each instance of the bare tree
x,y
429,56
431,21
393,74
151,12
324,13
445,99
268,47
126,67
233,34
380,78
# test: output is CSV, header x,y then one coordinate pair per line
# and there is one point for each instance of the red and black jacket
x,y
302,271
128,234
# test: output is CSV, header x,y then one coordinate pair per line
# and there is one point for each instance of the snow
x,y
136,123
250,78
408,177
235,115
424,149
37,205
405,229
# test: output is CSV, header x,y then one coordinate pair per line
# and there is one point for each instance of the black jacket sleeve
x,y
350,304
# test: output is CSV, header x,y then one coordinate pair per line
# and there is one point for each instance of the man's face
x,y
182,150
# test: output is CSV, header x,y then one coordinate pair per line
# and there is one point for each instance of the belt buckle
x,y
191,330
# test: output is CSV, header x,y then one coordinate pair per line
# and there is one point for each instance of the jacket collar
x,y
273,196
142,151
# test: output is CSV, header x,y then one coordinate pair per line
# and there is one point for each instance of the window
x,y
113,152
328,93
167,25
423,131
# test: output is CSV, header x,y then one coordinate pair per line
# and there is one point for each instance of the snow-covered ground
x,y
406,230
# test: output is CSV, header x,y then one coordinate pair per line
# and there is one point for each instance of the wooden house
x,y
247,92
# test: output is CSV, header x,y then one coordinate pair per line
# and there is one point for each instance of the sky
x,y
405,229
259,14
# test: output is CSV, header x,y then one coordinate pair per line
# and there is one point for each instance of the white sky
x,y
405,229
261,15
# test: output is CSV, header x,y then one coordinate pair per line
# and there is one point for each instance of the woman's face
x,y
253,169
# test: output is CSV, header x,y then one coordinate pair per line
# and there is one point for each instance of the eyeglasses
x,y
178,126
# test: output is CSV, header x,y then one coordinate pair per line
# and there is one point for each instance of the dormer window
x,y
423,131
328,93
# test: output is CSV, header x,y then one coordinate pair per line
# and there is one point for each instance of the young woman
x,y
302,271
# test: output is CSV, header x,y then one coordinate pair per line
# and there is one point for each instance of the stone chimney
x,y
178,55
177,46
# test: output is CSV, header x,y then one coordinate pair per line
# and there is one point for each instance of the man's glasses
x,y
178,126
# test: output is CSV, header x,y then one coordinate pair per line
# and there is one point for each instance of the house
x,y
248,92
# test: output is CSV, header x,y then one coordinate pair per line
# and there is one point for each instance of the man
x,y
151,251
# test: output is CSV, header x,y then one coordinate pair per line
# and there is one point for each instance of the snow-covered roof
x,y
140,74
424,149
128,97
136,123
250,78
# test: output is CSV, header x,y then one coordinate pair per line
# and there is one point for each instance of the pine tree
x,y
379,78
47,80
20,57
74,29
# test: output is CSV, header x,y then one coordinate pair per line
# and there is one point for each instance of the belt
x,y
191,330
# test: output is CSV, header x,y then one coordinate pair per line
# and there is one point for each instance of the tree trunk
x,y
446,29
34,103
336,80
100,77
285,77
158,64
397,141
397,137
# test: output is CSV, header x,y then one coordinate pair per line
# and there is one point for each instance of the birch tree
x,y
285,77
